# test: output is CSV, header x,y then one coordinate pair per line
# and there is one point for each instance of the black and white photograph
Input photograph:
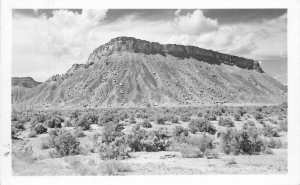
x,y
149,92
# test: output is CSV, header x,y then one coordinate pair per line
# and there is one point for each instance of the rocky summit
x,y
129,72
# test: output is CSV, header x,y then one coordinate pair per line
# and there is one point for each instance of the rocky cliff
x,y
130,44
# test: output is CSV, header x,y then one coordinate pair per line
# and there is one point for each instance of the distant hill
x,y
26,82
132,72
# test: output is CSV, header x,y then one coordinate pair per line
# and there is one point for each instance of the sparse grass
x,y
114,167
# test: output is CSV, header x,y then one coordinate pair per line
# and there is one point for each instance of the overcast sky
x,y
48,42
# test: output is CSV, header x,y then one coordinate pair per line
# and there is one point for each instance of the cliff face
x,y
130,44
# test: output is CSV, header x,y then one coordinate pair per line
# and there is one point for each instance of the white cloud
x,y
194,23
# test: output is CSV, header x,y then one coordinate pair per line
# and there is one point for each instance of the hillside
x,y
26,82
132,72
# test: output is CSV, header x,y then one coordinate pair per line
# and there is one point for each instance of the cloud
x,y
194,23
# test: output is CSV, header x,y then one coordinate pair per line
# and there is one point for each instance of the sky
x,y
48,41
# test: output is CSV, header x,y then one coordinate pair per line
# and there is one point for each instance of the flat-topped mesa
x,y
130,44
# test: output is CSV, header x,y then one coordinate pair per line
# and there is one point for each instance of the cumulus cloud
x,y
194,23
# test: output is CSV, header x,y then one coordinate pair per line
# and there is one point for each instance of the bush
x,y
117,149
84,123
107,118
203,142
111,132
54,122
141,140
227,122
274,143
160,120
201,125
132,120
188,151
258,116
241,142
39,128
248,124
210,116
174,119
65,143
146,124
185,118
180,131
269,131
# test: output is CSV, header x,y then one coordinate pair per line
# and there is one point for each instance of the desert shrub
x,y
117,149
160,120
203,142
226,122
258,109
45,145
200,114
237,116
258,116
54,122
185,118
84,122
132,120
40,118
273,143
136,137
189,151
114,167
269,131
180,131
242,111
174,119
197,146
201,125
161,139
210,116
16,127
141,140
217,111
241,142
111,132
39,128
211,154
106,118
65,143
146,124
283,125
248,124
75,114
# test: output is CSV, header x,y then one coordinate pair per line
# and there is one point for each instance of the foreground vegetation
x,y
116,134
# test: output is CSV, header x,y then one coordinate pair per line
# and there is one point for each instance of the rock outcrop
x,y
130,44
